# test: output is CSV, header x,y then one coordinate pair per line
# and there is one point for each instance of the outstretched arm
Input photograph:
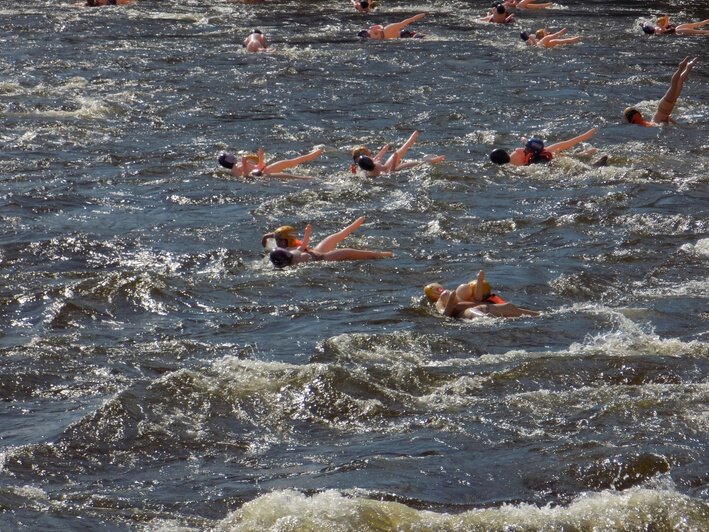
x,y
566,144
391,31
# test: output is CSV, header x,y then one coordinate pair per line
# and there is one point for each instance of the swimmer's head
x,y
500,156
227,160
364,34
407,34
285,236
365,163
648,28
534,146
633,116
256,31
91,3
540,33
487,290
524,36
364,4
663,20
500,8
433,291
281,258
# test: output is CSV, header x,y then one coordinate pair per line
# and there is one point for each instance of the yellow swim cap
x,y
663,20
286,232
251,157
433,291
540,33
486,288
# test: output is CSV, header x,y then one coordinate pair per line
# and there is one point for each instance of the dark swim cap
x,y
500,156
524,36
648,28
227,160
534,145
365,163
256,31
363,4
364,34
500,9
281,258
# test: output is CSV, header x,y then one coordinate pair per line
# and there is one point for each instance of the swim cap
x,y
500,8
361,150
486,288
227,160
524,36
648,28
534,145
630,113
433,291
285,232
540,33
364,34
256,31
500,156
406,34
365,163
363,4
281,258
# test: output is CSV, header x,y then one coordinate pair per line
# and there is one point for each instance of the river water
x,y
156,373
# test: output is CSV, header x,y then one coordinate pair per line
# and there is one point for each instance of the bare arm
x,y
306,238
566,144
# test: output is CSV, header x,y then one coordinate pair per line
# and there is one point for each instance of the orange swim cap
x,y
287,232
540,33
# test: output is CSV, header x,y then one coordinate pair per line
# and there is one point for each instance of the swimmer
x,y
473,300
390,31
667,104
498,15
663,27
364,6
99,3
526,4
373,166
548,40
534,151
253,165
325,250
255,42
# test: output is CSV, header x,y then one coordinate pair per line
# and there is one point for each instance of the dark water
x,y
157,374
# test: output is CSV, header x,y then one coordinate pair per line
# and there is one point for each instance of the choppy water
x,y
157,373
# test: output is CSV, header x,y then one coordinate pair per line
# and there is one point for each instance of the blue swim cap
x,y
364,34
534,145
227,160
524,36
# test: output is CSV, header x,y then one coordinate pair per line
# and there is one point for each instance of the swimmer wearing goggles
x,y
374,167
253,164
390,31
534,151
326,250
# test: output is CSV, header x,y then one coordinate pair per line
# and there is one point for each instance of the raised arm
x,y
306,238
566,144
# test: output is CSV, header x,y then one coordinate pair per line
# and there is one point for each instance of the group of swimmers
x,y
472,299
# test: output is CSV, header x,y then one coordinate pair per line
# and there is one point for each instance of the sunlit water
x,y
157,373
